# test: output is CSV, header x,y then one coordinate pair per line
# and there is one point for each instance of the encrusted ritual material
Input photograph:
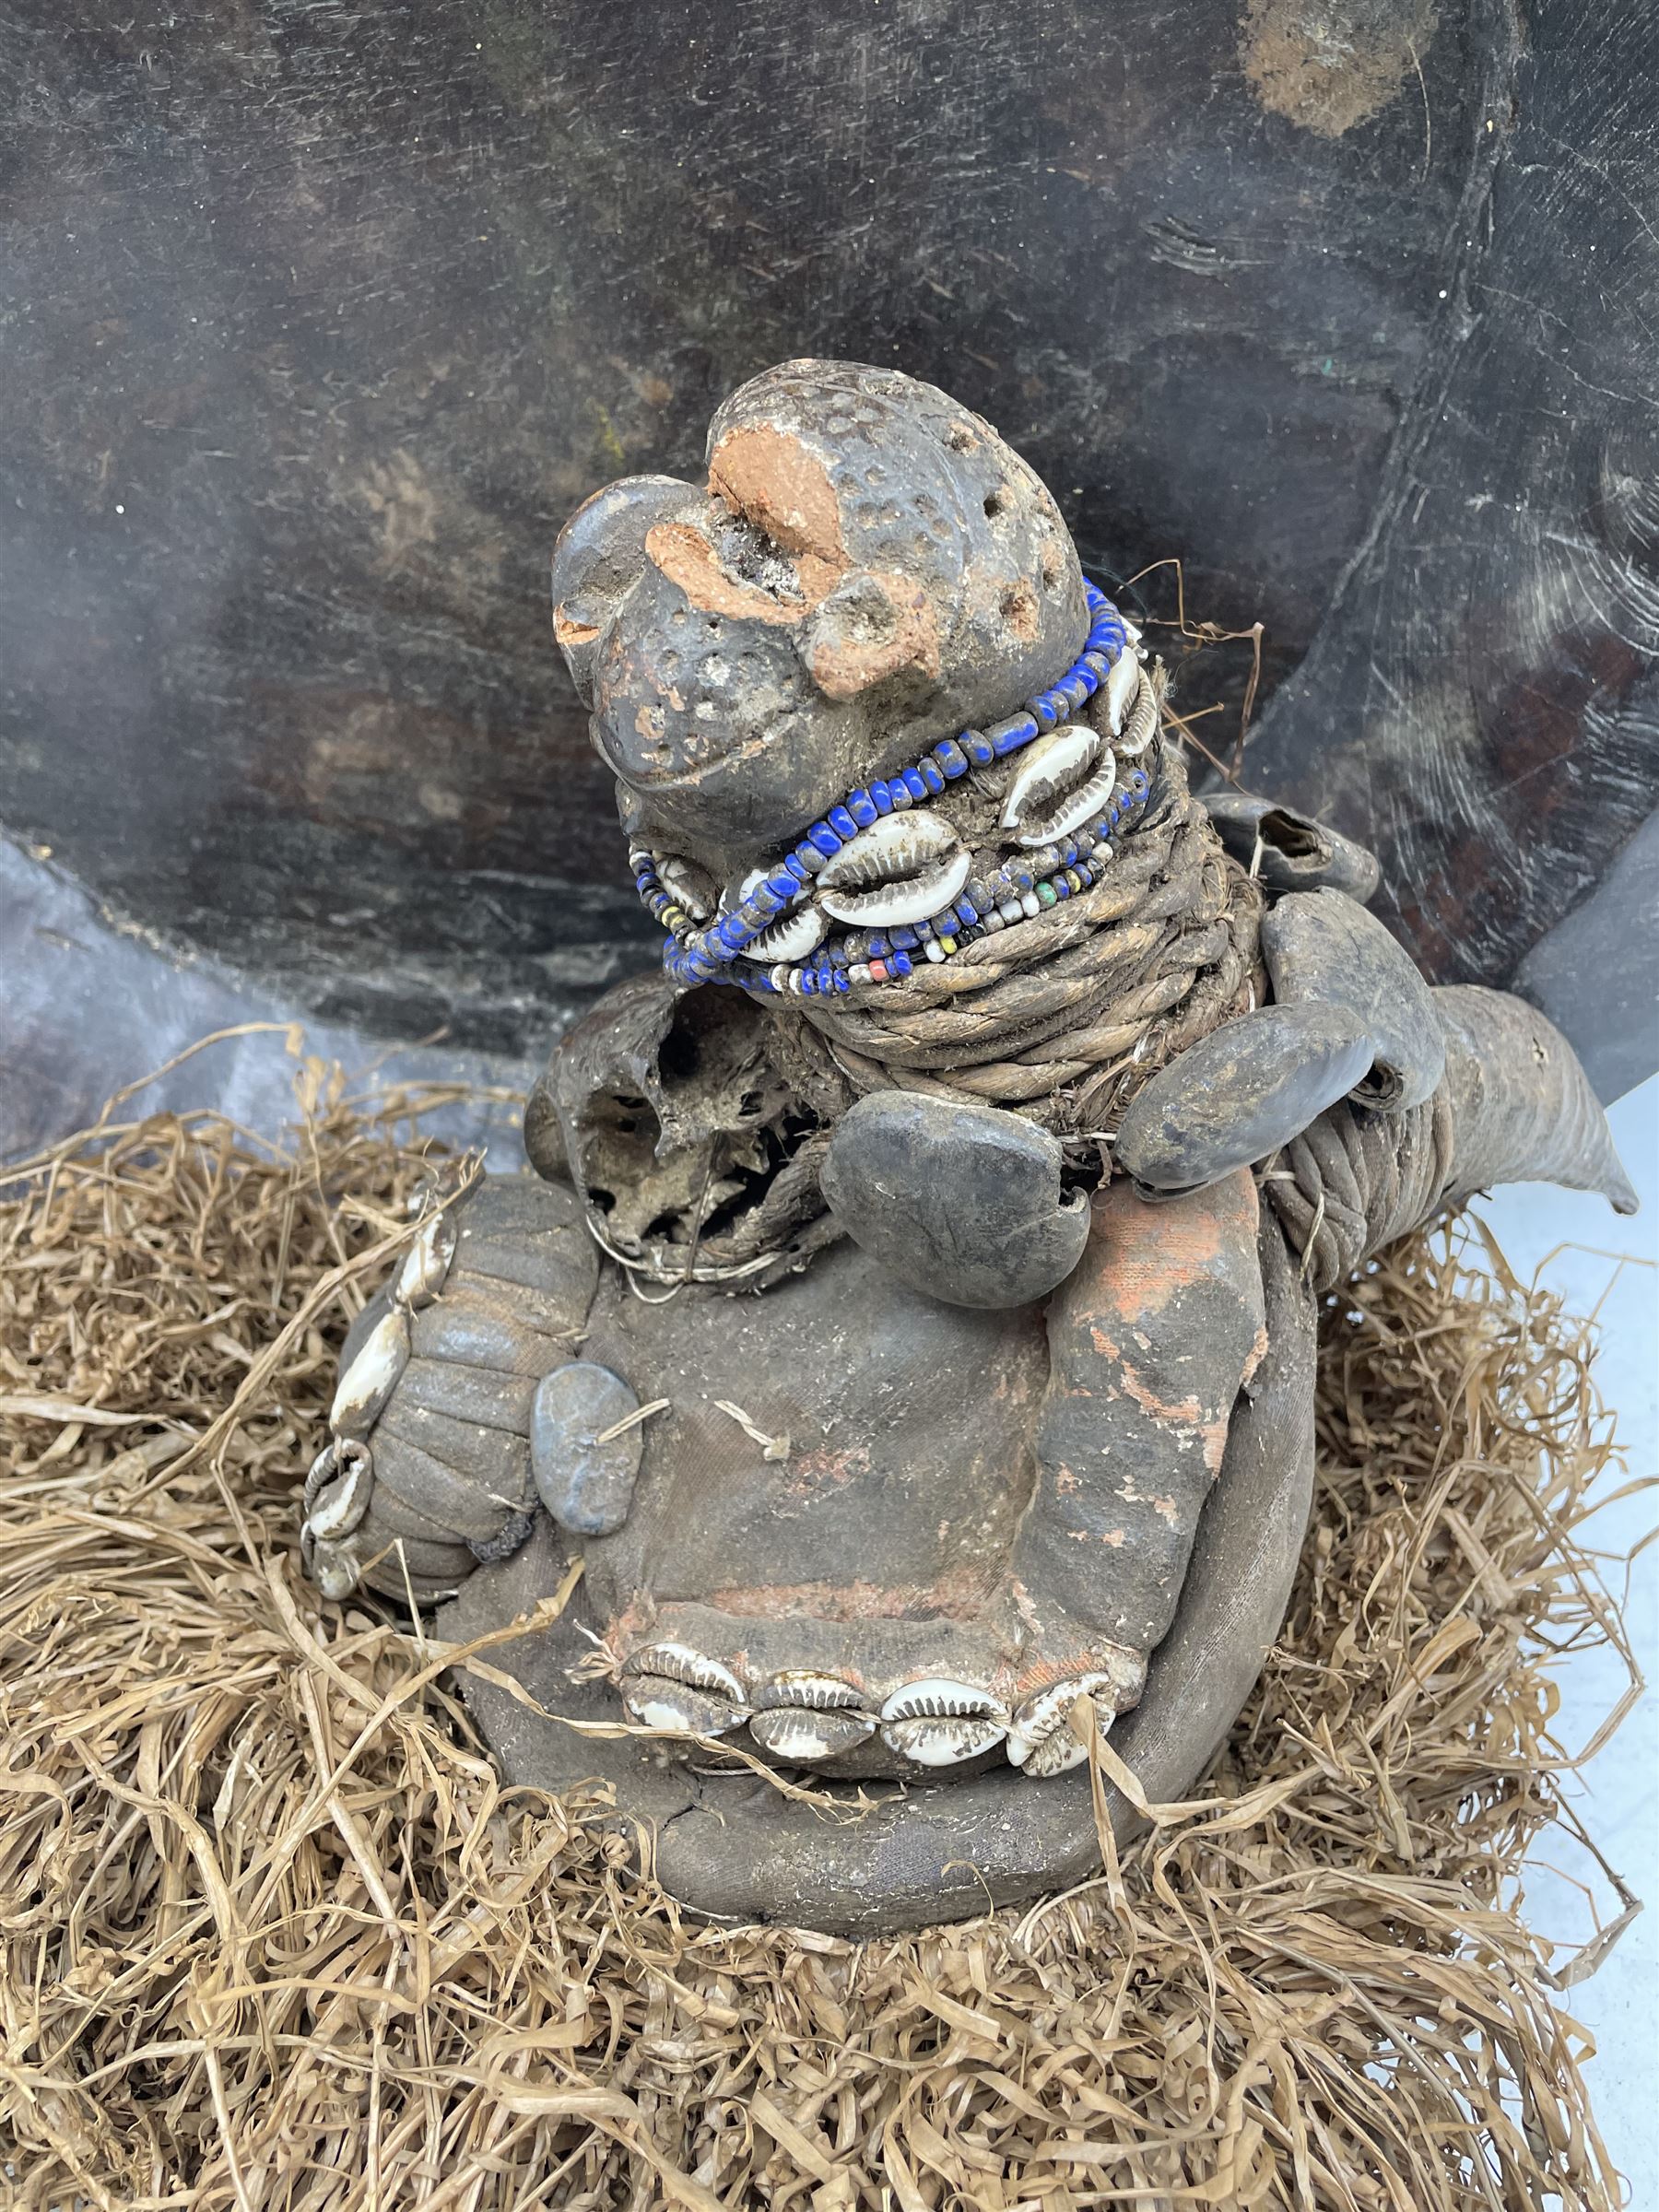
x,y
909,1329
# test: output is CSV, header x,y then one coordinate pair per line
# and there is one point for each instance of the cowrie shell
x,y
655,1702
902,869
1121,687
426,1263
944,1742
373,1376
798,1731
679,1663
1040,1738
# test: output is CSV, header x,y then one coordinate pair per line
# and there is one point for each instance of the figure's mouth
x,y
987,829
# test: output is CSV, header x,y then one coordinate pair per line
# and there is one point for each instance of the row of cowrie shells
x,y
808,1717
341,1481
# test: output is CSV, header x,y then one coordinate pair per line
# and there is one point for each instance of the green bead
x,y
1047,895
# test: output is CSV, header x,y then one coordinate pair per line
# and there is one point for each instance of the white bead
x,y
1030,905
1011,911
933,948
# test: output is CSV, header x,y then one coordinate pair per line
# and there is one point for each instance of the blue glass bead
x,y
923,931
969,910
809,860
1009,736
861,807
1062,889
951,757
878,948
840,956
782,887
978,892
825,839
899,791
1021,879
765,903
841,822
901,963
980,750
883,798
1042,707
915,784
1093,595
904,938
931,774
808,981
1067,850
842,981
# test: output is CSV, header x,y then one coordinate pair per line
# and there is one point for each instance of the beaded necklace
x,y
696,952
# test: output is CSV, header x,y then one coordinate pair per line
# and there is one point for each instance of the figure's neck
x,y
1062,1016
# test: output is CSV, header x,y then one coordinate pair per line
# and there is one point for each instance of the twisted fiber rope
x,y
1354,1181
1063,1018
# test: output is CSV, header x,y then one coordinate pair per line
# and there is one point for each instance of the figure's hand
x,y
963,1202
1352,1017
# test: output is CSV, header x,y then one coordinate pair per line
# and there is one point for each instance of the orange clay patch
x,y
956,1596
1140,1255
686,558
845,661
771,480
1178,1413
567,630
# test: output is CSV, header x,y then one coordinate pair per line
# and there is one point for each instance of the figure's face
x,y
777,665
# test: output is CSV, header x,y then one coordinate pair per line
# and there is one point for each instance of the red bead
x,y
879,973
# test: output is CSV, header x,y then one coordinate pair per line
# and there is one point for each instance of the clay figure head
x,y
868,572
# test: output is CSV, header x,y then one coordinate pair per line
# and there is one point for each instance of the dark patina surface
x,y
944,1394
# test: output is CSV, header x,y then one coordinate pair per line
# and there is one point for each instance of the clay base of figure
x,y
731,1846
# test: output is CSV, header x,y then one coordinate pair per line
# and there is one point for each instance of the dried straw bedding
x,y
275,1935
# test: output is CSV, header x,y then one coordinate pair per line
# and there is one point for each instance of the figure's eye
x,y
791,938
1064,779
904,868
689,887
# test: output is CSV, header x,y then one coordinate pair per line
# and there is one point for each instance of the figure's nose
x,y
600,556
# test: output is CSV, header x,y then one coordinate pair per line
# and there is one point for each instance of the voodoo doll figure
x,y
901,1357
